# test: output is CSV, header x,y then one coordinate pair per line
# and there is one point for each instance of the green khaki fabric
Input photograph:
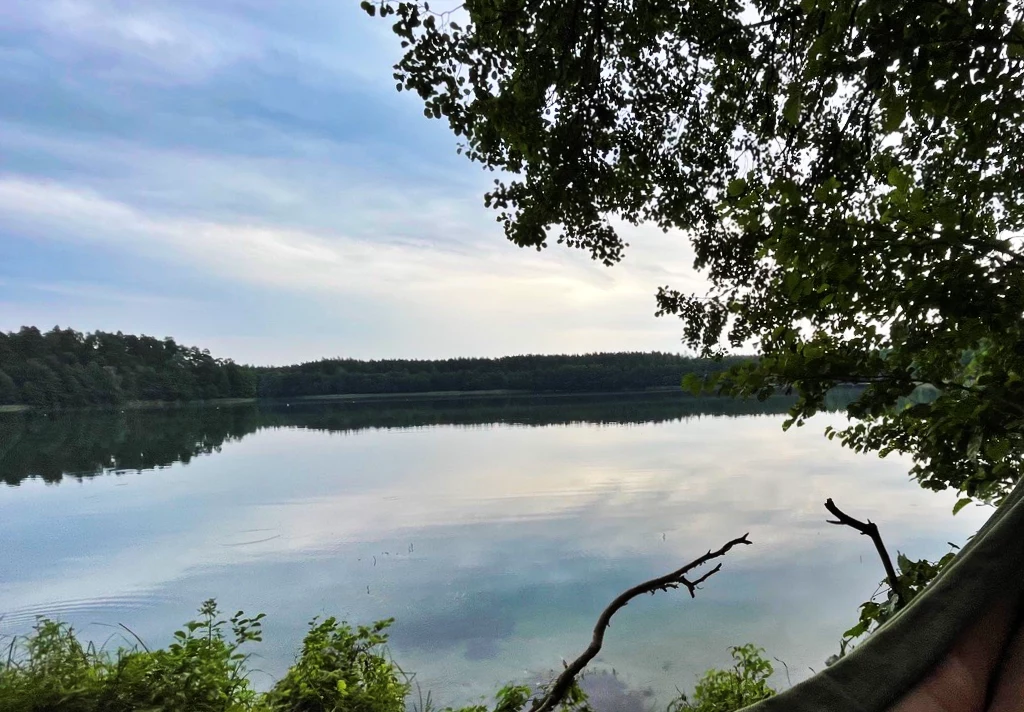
x,y
886,666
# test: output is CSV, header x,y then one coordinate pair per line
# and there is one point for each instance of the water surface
x,y
494,530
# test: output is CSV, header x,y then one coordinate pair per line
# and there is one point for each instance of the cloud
x,y
276,256
455,292
254,159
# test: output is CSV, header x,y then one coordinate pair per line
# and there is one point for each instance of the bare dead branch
x,y
870,529
563,683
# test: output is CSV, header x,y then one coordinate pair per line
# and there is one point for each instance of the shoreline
x,y
355,398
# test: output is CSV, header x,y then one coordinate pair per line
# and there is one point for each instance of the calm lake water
x,y
493,530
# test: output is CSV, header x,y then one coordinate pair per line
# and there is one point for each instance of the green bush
x,y
745,683
202,670
339,669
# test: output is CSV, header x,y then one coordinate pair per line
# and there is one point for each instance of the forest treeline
x,y
587,373
66,368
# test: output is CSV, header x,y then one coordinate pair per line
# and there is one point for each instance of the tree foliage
x,y
66,368
745,683
583,373
848,172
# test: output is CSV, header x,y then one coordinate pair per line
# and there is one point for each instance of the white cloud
x,y
484,297
237,166
167,42
140,43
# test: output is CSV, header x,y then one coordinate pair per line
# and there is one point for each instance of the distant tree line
x,y
588,373
66,368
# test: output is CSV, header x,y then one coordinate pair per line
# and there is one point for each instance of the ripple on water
x,y
107,608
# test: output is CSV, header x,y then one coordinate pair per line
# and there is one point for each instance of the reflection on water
x,y
87,443
495,546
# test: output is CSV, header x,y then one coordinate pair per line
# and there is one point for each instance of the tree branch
x,y
870,529
563,683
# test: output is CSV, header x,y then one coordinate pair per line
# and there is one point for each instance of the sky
x,y
243,176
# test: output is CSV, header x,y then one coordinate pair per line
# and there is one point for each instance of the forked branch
x,y
563,683
870,529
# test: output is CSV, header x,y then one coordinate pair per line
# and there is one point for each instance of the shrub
x,y
733,689
339,669
201,671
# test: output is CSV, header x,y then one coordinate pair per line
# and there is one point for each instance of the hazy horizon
x,y
681,352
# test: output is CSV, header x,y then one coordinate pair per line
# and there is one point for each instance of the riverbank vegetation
x,y
66,368
339,668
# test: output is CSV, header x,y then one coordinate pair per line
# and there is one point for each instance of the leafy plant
x,y
745,683
341,669
202,670
913,577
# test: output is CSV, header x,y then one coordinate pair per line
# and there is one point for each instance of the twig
x,y
870,529
563,683
788,681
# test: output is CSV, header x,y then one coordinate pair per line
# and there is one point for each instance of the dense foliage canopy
x,y
848,171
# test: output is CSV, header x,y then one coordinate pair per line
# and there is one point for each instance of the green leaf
x,y
996,450
737,187
961,503
898,179
1015,47
893,116
860,629
693,383
974,446
791,110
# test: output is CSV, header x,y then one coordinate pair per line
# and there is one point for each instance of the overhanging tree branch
x,y
870,529
563,683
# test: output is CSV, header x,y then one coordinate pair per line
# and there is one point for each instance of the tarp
x,y
988,571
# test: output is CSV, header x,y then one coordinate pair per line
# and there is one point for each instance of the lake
x,y
494,530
